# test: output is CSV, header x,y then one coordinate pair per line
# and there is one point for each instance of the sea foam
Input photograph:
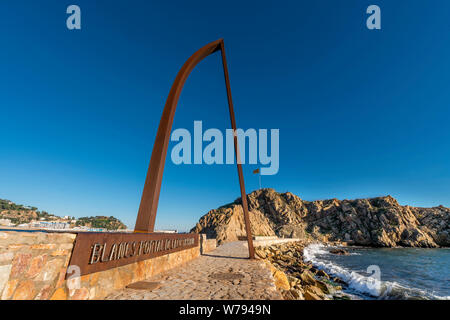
x,y
369,286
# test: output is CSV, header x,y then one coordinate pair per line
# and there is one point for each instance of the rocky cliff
x,y
378,222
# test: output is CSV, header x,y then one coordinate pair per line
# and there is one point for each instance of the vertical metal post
x,y
251,250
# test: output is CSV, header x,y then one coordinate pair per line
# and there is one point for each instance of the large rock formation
x,y
379,222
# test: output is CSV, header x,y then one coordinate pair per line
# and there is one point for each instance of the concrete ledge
x,y
269,242
258,238
207,245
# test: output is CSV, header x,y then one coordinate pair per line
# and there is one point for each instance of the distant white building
x,y
6,222
51,225
97,230
80,228
88,229
166,231
126,230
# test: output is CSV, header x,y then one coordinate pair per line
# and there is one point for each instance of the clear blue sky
x,y
361,113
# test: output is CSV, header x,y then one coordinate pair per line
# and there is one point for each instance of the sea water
x,y
387,273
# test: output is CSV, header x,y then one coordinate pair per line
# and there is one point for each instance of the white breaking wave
x,y
368,285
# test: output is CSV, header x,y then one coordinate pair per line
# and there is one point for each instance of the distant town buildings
x,y
89,229
166,231
16,216
6,223
63,224
50,225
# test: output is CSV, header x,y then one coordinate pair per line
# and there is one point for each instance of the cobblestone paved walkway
x,y
206,278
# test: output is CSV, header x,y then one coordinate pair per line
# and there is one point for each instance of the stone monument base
x,y
37,264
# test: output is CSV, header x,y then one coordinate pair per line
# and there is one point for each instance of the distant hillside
x,y
109,223
378,222
19,214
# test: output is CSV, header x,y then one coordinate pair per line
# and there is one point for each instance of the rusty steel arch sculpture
x,y
145,221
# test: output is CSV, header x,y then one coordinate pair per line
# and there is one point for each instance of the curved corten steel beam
x,y
145,221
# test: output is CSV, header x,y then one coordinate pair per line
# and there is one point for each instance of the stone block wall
x,y
33,266
207,245
98,285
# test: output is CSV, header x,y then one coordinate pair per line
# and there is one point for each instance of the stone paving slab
x,y
234,277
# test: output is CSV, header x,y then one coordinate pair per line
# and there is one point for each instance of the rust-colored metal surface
x,y
101,251
251,250
145,221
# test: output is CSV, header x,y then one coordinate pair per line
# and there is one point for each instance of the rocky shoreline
x,y
297,279
379,222
373,222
